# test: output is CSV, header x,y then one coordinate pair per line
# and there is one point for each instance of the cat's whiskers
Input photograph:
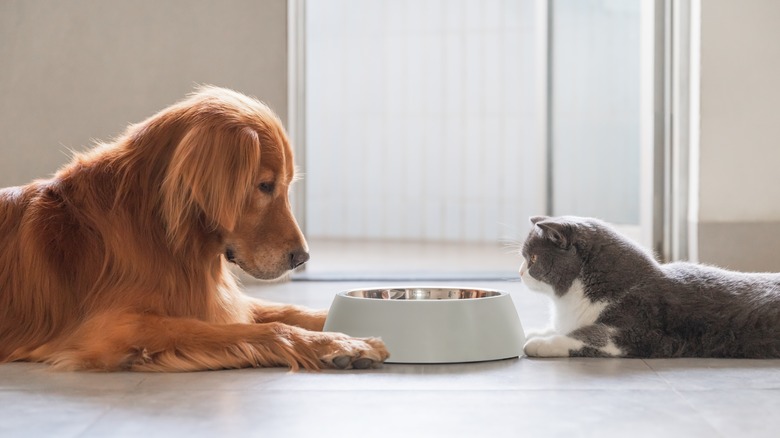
x,y
511,246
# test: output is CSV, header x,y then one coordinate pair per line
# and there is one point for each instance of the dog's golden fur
x,y
119,260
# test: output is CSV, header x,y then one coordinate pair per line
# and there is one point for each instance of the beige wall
x,y
739,199
83,69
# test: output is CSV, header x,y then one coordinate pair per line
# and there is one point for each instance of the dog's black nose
x,y
298,257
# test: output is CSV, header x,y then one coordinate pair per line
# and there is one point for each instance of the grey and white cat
x,y
612,298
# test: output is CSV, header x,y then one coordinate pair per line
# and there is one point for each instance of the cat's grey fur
x,y
648,309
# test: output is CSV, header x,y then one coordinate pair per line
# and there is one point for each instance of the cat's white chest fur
x,y
570,311
574,310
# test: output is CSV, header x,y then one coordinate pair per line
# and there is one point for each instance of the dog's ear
x,y
212,171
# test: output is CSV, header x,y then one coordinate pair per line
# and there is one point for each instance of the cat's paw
x,y
539,333
551,346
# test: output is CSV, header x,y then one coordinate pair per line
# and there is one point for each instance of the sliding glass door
x,y
454,121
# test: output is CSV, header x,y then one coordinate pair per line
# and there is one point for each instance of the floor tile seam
x,y
94,422
419,390
259,386
453,390
698,412
659,375
111,406
140,383
674,387
125,394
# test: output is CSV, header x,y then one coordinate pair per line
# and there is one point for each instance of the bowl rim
x,y
499,294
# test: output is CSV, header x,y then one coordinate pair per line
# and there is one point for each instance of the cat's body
x,y
611,298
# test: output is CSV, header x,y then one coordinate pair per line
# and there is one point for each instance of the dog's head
x,y
231,171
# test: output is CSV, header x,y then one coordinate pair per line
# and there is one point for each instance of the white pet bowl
x,y
431,324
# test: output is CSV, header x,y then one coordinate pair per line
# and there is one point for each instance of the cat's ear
x,y
535,219
558,233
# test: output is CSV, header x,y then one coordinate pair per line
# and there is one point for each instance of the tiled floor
x,y
517,397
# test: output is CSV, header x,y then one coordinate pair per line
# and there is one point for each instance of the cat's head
x,y
554,252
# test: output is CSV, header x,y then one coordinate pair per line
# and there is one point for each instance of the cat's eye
x,y
266,187
532,259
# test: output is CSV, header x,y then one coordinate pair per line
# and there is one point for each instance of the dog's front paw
x,y
551,346
354,353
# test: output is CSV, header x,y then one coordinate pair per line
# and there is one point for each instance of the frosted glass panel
x,y
423,120
595,102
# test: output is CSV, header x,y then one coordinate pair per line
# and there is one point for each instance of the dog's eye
x,y
266,187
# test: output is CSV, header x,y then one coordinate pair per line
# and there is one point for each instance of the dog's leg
x,y
156,343
298,316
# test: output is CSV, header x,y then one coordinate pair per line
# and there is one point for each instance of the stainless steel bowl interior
x,y
422,294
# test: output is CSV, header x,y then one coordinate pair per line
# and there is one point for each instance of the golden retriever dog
x,y
118,262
